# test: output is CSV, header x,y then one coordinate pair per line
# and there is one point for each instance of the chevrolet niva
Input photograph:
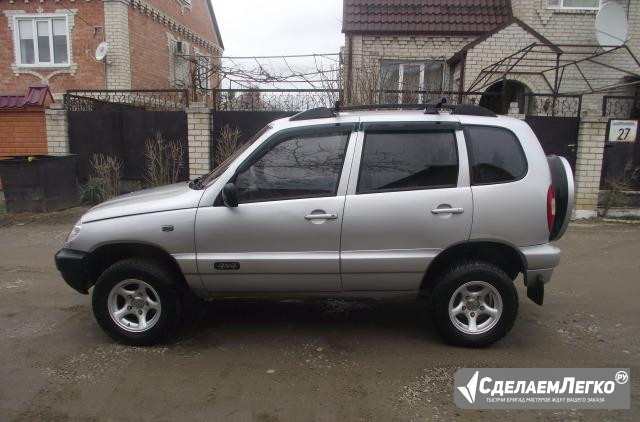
x,y
451,204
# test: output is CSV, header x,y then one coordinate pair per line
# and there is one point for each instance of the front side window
x,y
299,166
395,161
495,155
42,41
414,82
575,4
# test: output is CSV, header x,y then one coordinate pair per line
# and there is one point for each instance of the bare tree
x,y
163,160
227,143
618,186
107,172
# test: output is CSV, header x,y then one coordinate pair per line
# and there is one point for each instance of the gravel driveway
x,y
301,361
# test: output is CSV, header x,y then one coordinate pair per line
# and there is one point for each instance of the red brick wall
x,y
22,132
197,18
149,52
89,74
149,46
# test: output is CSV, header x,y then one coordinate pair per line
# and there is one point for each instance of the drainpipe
x,y
349,68
463,65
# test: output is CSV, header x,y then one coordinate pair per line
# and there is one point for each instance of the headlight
x,y
74,232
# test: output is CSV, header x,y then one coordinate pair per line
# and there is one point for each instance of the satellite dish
x,y
611,26
101,51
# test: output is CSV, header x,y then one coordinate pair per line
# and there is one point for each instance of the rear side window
x,y
495,155
394,161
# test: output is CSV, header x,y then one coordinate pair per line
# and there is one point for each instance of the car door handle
x,y
321,216
447,211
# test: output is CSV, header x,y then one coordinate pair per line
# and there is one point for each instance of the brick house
x,y
410,51
152,44
439,45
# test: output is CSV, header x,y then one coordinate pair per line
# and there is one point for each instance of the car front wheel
x,y
474,304
136,303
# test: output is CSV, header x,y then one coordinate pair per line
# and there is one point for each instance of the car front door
x,y
410,200
284,235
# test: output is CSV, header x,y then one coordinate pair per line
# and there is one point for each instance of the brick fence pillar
x,y
198,126
57,129
591,138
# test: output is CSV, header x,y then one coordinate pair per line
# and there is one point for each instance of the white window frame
x,y
422,69
35,18
561,6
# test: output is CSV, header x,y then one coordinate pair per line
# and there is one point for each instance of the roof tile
x,y
37,96
425,16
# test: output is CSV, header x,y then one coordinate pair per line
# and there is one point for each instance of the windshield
x,y
215,173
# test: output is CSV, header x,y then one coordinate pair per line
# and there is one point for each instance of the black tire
x,y
447,284
160,279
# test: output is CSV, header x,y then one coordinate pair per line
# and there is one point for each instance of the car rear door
x,y
408,199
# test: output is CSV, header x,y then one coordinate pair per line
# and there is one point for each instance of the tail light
x,y
551,207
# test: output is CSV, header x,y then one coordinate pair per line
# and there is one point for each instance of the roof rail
x,y
433,107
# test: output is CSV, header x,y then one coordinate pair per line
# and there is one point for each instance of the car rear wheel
x,y
474,304
136,303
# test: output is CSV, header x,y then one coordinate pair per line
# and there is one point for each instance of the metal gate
x,y
118,123
620,158
557,135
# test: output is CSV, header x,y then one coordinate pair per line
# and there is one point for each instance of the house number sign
x,y
623,130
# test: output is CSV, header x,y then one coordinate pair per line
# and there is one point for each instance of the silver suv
x,y
450,204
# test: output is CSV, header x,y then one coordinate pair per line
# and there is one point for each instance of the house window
x,y
42,41
413,82
203,71
575,4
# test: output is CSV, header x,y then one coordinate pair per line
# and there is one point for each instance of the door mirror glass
x,y
230,195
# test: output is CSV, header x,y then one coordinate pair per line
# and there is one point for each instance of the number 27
x,y
623,133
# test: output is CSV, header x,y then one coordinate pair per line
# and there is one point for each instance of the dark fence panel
x,y
247,122
123,133
557,135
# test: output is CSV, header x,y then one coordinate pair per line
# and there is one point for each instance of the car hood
x,y
165,198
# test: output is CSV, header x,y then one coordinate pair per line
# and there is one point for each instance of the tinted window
x,y
408,160
295,167
495,155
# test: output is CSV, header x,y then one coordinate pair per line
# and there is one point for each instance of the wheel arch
x,y
108,254
503,255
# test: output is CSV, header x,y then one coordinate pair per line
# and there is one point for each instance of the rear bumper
x,y
72,267
541,260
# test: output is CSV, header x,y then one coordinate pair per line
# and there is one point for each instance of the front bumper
x,y
72,265
541,260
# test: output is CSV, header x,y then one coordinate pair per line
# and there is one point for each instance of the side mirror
x,y
230,195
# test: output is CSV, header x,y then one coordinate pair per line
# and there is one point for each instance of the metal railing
x,y
305,99
140,99
621,107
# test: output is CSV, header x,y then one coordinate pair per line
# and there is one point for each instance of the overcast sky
x,y
279,27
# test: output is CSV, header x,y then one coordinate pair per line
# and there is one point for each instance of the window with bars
x,y
414,82
575,4
203,71
42,41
